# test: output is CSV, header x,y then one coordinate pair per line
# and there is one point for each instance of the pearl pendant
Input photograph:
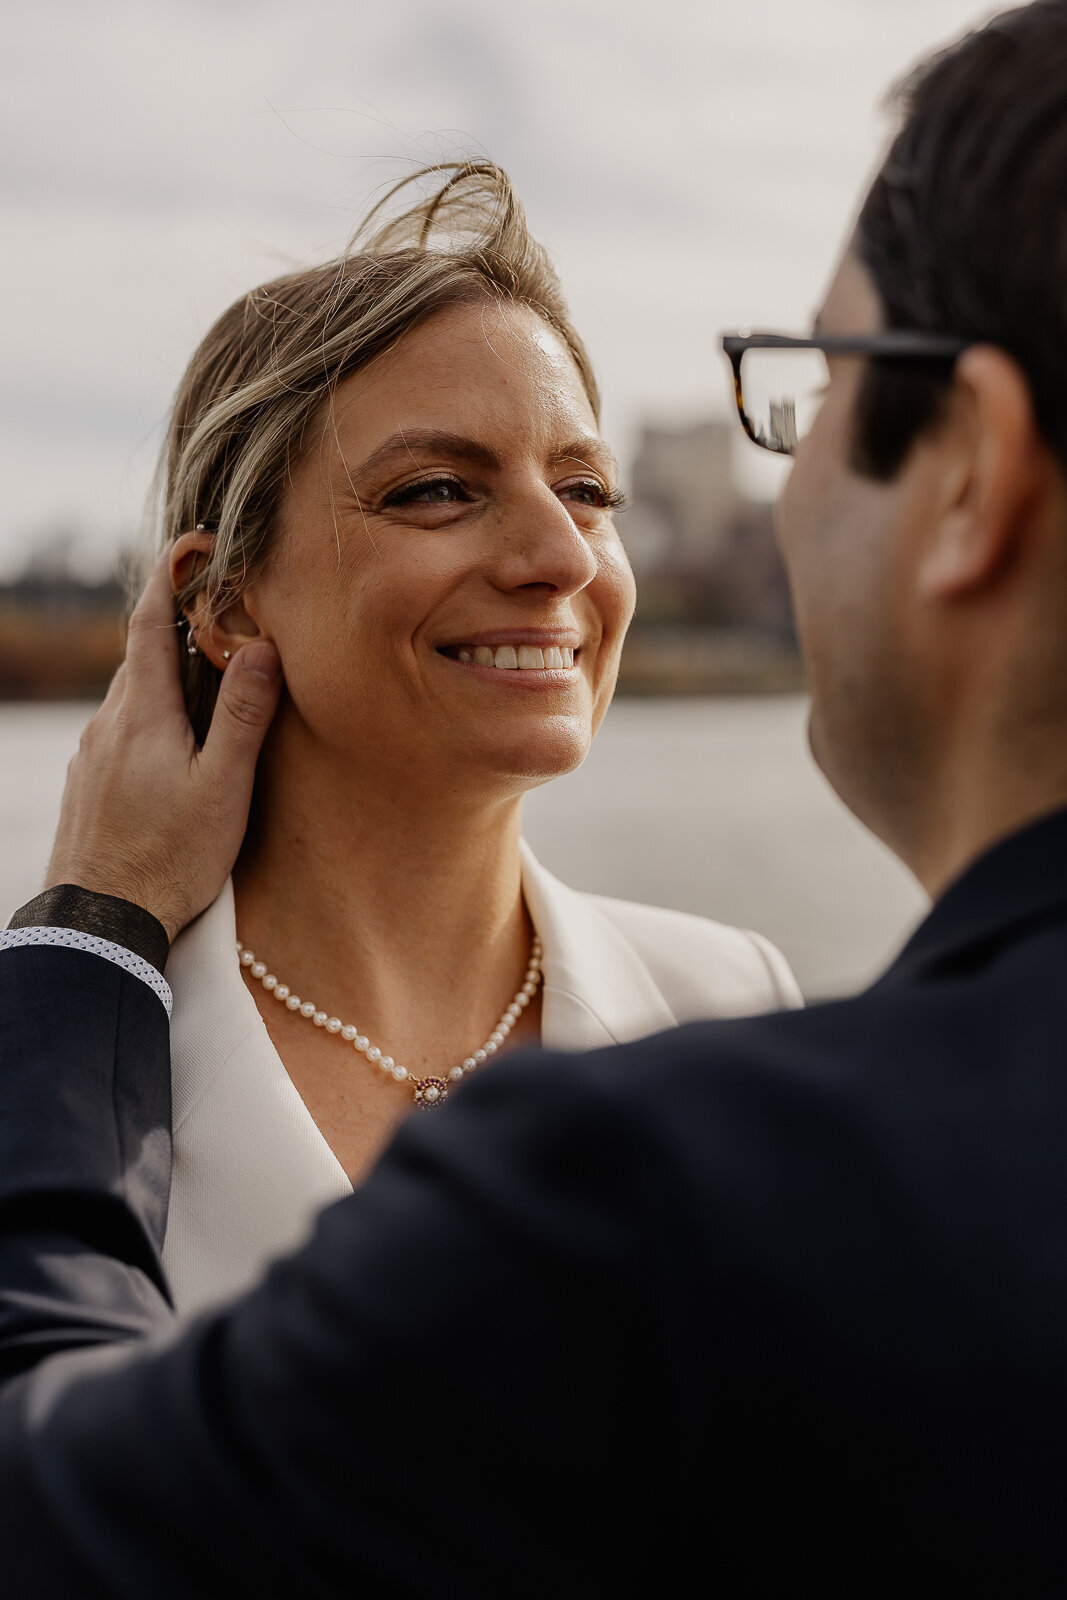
x,y
430,1092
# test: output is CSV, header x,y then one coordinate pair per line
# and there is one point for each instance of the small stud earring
x,y
225,655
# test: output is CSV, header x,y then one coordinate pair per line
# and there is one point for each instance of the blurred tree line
x,y
61,634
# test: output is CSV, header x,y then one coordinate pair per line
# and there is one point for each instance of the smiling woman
x,y
391,466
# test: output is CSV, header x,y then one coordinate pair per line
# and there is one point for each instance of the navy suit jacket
x,y
746,1306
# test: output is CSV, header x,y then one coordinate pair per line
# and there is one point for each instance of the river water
x,y
712,806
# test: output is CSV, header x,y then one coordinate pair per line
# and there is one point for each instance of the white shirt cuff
x,y
71,939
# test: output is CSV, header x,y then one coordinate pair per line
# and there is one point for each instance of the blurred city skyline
x,y
691,167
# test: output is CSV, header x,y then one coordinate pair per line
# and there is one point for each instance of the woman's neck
x,y
399,912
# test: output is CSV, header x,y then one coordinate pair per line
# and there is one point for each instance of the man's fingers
x,y
248,697
151,645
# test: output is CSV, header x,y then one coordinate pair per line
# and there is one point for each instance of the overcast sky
x,y
691,164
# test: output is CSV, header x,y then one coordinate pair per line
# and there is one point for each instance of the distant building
x,y
703,551
683,486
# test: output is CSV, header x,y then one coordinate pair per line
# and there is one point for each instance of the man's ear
x,y
221,639
1000,469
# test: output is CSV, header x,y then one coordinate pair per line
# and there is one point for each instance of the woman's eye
x,y
431,492
588,494
591,493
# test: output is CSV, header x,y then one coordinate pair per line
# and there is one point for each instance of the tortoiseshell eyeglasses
x,y
779,381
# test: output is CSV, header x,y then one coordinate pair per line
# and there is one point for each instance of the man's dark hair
x,y
964,230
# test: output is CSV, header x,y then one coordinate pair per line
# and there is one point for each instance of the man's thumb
x,y
248,698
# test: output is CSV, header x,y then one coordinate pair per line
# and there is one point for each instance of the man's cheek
x,y
795,524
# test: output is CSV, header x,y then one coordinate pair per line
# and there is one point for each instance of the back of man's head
x,y
924,525
964,230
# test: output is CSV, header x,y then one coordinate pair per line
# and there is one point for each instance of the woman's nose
x,y
541,545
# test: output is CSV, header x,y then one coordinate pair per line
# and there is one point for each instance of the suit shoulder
x,y
703,966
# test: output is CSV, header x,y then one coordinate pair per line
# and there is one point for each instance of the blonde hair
x,y
262,374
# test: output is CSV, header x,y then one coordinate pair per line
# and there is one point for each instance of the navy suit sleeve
x,y
84,1154
390,1413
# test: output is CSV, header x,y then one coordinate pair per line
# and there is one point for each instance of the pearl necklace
x,y
429,1092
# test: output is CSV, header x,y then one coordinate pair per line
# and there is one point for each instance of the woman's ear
x,y
222,638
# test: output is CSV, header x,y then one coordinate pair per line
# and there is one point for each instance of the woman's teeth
x,y
527,658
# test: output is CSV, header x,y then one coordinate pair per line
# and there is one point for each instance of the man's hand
x,y
146,815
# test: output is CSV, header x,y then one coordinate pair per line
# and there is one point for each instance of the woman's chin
x,y
524,762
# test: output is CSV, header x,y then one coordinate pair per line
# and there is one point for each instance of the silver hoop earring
x,y
191,641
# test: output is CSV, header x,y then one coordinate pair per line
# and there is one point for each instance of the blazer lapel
x,y
597,990
217,1025
214,1013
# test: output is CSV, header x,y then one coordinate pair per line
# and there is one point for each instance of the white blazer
x,y
251,1168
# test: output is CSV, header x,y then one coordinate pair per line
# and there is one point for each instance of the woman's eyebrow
x,y
586,452
434,442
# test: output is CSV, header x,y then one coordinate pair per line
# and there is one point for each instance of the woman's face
x,y
448,593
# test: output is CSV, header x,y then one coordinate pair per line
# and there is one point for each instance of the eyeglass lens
x,y
781,392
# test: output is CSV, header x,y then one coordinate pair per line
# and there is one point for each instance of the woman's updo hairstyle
x,y
262,375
